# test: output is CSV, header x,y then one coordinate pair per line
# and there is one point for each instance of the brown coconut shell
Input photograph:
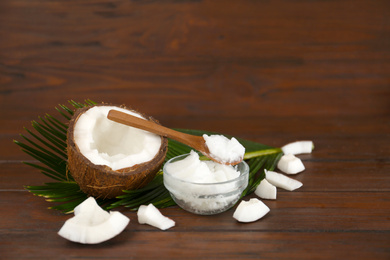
x,y
101,181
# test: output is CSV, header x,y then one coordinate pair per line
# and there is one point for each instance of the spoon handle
x,y
126,119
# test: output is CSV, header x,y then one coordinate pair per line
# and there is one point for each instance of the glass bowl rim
x,y
243,173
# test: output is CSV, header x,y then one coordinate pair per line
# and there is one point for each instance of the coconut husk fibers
x,y
101,181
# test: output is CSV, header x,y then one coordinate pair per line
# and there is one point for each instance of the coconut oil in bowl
x,y
204,187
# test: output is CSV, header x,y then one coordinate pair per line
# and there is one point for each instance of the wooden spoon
x,y
196,142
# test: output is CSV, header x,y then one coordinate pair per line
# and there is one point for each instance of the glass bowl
x,y
206,198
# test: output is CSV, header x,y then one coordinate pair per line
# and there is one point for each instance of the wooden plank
x,y
304,226
292,212
15,176
203,245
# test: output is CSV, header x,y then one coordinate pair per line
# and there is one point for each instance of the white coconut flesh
x,y
92,225
290,164
298,147
105,142
192,169
152,216
266,190
282,181
249,211
223,149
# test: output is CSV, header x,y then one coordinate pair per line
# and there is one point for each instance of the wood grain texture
x,y
268,71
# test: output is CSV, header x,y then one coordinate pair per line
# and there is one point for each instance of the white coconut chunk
x,y
282,181
105,142
108,229
78,229
223,149
92,225
250,211
87,205
266,190
290,164
152,216
298,147
92,211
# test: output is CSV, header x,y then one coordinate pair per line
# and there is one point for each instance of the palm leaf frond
x,y
47,144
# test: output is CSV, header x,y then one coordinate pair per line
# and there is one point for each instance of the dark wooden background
x,y
269,71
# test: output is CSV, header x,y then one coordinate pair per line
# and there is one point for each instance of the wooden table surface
x,y
268,71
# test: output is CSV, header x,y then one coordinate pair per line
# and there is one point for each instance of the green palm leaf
x,y
47,144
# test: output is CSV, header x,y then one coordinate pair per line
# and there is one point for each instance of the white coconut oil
x,y
223,149
204,187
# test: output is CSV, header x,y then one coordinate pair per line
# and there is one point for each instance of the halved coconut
x,y
105,157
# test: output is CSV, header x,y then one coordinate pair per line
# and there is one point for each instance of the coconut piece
x,y
290,164
298,147
105,157
92,225
266,190
152,216
249,211
282,181
82,230
92,211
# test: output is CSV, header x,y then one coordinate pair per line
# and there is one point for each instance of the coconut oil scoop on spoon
x,y
216,147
